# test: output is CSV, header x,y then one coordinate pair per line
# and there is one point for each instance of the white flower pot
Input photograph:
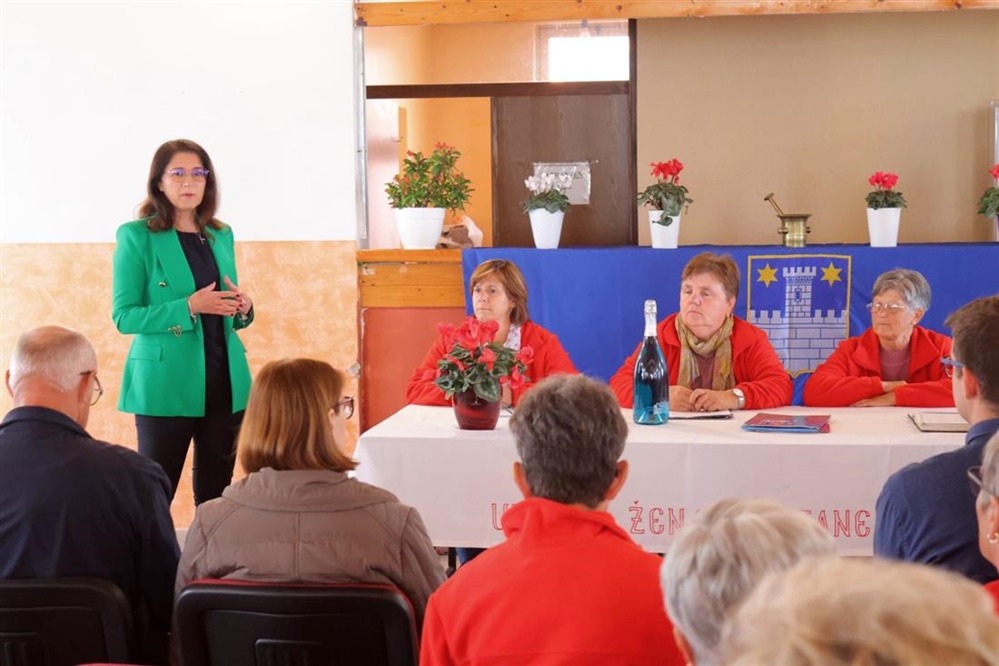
x,y
663,235
419,228
547,228
995,228
882,225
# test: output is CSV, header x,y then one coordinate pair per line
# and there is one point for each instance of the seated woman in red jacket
x,y
499,294
894,362
716,360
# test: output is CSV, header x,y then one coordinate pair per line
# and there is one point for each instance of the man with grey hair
x,y
71,505
568,586
718,558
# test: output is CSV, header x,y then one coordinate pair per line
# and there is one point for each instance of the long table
x,y
461,481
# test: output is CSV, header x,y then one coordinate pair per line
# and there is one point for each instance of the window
x,y
585,51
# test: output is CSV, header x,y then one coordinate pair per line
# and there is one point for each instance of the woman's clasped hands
x,y
225,303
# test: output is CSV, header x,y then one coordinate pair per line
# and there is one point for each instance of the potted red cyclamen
x,y
475,370
988,205
667,198
884,208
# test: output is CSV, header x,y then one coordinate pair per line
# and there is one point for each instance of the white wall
x,y
89,90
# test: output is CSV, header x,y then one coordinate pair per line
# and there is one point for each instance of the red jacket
x,y
993,589
853,372
567,587
756,366
549,359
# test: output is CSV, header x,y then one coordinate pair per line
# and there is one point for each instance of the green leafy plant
x,y
548,191
988,205
883,195
430,182
476,362
666,194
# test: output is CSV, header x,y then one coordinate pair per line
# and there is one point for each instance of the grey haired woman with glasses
x,y
175,290
895,361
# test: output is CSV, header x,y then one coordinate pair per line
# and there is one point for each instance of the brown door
x,y
596,128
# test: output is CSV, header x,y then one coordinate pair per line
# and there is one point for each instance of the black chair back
x,y
63,622
234,622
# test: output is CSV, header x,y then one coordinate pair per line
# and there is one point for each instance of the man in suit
x,y
568,586
71,505
926,512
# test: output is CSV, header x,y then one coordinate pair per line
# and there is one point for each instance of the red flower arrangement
x,y
988,205
666,194
476,362
883,195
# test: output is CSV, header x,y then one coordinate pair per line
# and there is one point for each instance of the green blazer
x,y
165,370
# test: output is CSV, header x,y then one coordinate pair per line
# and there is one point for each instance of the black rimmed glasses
x,y
949,365
887,308
346,406
179,175
98,389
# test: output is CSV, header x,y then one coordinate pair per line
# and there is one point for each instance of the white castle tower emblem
x,y
804,333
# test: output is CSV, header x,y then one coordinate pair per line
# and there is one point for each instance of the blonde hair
x,y
836,612
513,282
286,425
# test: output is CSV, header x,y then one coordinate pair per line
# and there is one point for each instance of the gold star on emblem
x,y
767,275
830,274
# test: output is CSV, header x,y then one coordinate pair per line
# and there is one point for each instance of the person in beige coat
x,y
297,516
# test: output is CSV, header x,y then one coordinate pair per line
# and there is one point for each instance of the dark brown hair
x,y
722,266
159,209
286,425
513,282
975,328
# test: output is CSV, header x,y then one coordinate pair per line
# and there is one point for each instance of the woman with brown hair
x,y
298,516
174,290
499,294
716,360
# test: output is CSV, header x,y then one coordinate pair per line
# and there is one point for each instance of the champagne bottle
x,y
651,401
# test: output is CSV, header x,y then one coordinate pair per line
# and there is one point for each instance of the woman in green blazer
x,y
186,374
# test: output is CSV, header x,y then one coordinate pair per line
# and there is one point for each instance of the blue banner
x,y
807,299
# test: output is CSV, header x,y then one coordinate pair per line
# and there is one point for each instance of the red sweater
x,y
549,359
756,366
853,372
567,587
993,589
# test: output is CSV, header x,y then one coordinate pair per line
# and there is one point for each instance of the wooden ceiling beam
x,y
496,11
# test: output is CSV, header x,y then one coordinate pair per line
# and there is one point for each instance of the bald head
x,y
53,367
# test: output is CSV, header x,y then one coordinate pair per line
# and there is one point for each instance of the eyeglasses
x,y
975,477
887,308
949,365
98,389
179,175
346,406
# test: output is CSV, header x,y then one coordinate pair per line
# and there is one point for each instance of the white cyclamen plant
x,y
548,191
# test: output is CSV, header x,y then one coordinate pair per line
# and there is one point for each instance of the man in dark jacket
x,y
926,513
71,505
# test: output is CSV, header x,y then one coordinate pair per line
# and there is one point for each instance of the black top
x,y
205,270
71,505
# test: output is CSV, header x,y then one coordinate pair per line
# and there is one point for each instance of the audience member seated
x,y
568,586
297,516
716,360
72,505
499,294
895,361
985,485
843,612
719,556
924,513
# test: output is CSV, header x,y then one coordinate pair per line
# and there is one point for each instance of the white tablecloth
x,y
461,481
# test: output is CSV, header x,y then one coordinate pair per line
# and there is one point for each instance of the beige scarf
x,y
719,344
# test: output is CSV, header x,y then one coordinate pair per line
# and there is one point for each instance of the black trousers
x,y
166,440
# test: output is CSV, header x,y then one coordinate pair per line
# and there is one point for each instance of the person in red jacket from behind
x,y
716,360
568,586
894,362
499,294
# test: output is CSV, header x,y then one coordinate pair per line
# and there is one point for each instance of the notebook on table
x,y
939,422
767,422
